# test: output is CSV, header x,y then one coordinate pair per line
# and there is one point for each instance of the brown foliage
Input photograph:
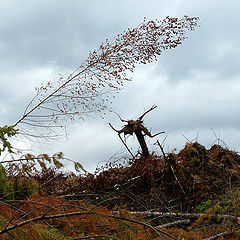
x,y
72,219
146,183
92,85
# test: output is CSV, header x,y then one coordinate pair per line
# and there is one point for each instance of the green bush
x,y
204,205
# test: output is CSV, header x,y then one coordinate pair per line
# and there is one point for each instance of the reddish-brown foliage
x,y
197,175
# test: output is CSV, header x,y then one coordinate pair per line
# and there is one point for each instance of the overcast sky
x,y
196,86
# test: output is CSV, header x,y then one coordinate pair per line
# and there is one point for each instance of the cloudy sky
x,y
196,86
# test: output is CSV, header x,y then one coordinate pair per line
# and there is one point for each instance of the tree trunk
x,y
142,143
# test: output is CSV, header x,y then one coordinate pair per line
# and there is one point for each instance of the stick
x,y
182,215
122,140
141,117
113,128
218,235
179,222
126,146
172,168
152,136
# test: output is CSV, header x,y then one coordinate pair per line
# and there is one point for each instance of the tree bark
x,y
142,143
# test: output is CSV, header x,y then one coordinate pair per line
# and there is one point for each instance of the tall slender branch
x,y
92,85
47,97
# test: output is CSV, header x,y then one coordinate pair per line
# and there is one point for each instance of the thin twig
x,y
179,222
223,234
44,217
144,224
96,236
172,168
50,95
126,146
152,108
152,136
122,140
113,128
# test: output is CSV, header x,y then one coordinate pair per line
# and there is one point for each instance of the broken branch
x,y
152,108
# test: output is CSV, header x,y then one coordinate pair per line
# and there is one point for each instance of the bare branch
x,y
121,118
56,216
136,127
172,167
175,223
220,235
152,136
96,236
149,110
126,146
113,128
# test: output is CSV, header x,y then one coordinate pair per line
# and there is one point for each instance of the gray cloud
x,y
196,86
57,32
61,33
210,49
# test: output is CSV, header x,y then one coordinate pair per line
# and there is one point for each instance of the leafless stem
x,y
50,95
96,236
175,223
113,128
126,145
220,235
149,110
55,216
172,168
152,136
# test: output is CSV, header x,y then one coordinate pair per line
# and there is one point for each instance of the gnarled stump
x,y
137,127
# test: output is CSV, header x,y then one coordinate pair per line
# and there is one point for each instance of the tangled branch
x,y
136,127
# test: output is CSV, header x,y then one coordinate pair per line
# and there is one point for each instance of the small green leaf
x,y
78,167
58,155
57,163
46,157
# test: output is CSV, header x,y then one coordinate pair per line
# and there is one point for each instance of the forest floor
x,y
192,194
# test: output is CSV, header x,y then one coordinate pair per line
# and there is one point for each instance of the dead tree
x,y
137,127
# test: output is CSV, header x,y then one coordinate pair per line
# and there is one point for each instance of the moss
x,y
204,205
53,234
9,193
6,187
26,186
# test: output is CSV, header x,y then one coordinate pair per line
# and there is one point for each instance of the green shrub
x,y
204,205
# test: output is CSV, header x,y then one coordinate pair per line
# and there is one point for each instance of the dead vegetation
x,y
48,204
192,194
136,127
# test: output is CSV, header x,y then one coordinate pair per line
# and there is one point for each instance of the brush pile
x,y
192,194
